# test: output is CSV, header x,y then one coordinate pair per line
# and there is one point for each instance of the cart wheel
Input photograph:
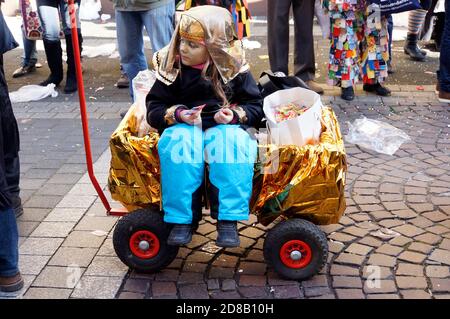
x,y
296,249
139,240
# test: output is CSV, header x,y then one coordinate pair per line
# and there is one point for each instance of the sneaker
x,y
227,234
444,97
123,82
23,70
377,88
11,284
390,68
348,94
314,86
181,234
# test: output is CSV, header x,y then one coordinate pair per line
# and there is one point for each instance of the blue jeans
x,y
444,60
49,16
29,56
390,27
9,241
130,24
230,153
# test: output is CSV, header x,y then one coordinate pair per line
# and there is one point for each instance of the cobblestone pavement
x,y
66,248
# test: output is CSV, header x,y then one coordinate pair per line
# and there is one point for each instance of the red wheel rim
x,y
144,244
292,250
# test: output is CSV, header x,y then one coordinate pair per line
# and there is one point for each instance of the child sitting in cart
x,y
202,102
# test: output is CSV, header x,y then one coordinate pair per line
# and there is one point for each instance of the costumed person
x,y
50,12
10,277
359,47
238,9
202,102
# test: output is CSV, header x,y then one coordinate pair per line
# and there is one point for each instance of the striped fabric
x,y
416,19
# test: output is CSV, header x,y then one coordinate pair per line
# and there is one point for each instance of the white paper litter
x,y
89,9
102,50
99,233
250,45
33,93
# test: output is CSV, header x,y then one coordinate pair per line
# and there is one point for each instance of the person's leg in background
x,y
444,59
49,16
129,26
10,278
390,27
29,58
278,34
71,78
159,25
123,81
416,19
304,59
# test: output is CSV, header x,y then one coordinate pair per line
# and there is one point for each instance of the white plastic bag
x,y
89,9
300,130
142,84
376,135
33,93
101,50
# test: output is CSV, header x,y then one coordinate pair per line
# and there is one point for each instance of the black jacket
x,y
191,90
9,133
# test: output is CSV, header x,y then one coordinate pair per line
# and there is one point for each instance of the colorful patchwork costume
x,y
359,43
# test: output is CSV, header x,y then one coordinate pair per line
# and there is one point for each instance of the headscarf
x,y
209,24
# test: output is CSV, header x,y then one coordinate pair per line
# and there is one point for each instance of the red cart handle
x,y
84,117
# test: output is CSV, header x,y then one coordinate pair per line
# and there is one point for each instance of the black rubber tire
x,y
143,219
296,229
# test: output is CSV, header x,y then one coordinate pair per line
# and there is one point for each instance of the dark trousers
x,y
9,144
390,26
278,36
444,60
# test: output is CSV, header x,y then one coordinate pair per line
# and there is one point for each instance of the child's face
x,y
192,53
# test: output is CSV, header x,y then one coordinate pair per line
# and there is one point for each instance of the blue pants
x,y
130,38
49,17
29,56
230,153
9,239
444,59
390,26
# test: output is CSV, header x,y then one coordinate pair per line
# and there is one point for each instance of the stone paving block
x,y
67,256
438,230
313,292
40,201
410,270
160,289
65,215
107,249
381,260
53,229
59,277
213,284
221,273
412,257
350,259
383,296
190,278
32,264
341,237
77,201
252,268
343,270
287,292
167,275
415,294
40,246
226,261
358,249
106,266
34,214
437,271
200,257
47,293
228,285
197,241
346,282
316,281
131,295
225,295
83,239
250,280
198,291
137,285
442,256
379,286
388,249
54,189
440,285
96,223
252,232
420,247
194,267
350,294
91,287
408,230
254,292
404,282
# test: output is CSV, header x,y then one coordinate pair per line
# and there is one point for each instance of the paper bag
x,y
301,130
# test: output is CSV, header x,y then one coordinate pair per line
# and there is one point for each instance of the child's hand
x,y
192,116
224,116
